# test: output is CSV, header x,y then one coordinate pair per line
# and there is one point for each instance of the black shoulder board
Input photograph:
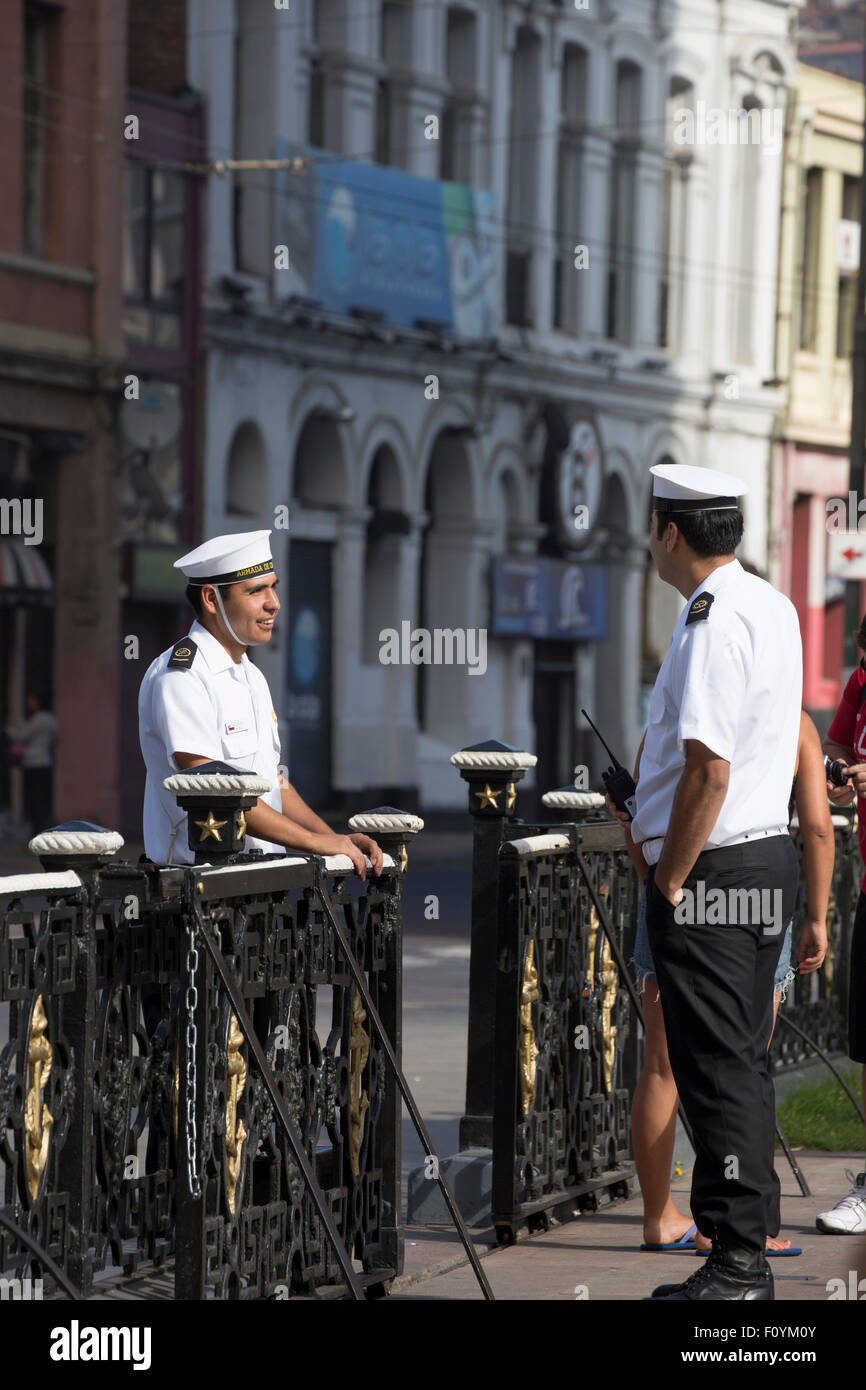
x,y
183,655
700,608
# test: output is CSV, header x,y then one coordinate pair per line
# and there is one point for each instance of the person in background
x,y
654,1106
846,741
32,749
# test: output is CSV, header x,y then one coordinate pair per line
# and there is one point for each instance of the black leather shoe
x,y
730,1274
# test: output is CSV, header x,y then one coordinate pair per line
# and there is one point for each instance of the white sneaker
x,y
848,1217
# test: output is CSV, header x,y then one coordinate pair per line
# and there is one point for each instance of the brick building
x,y
98,239
60,347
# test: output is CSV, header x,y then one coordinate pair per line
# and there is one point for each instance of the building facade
x,y
514,267
60,348
817,300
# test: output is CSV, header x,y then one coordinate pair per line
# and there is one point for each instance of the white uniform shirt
x,y
217,708
732,680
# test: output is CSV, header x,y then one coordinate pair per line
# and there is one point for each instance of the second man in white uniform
x,y
712,811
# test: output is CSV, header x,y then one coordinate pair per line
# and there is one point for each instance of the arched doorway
x,y
246,472
318,486
450,580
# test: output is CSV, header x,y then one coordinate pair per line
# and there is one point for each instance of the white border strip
x,y
341,863
213,872
334,863
39,883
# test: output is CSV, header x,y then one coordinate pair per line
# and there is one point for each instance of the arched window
x,y
461,76
621,223
524,138
572,119
395,51
675,217
382,607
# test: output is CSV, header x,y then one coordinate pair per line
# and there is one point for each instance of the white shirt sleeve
x,y
184,716
714,677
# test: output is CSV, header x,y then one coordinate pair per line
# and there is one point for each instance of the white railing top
x,y
536,844
222,783
75,842
492,760
574,800
378,822
38,883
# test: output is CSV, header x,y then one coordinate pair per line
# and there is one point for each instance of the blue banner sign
x,y
535,596
364,237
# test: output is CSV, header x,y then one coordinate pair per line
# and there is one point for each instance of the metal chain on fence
x,y
191,1001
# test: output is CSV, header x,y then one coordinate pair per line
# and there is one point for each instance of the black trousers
x,y
715,982
857,986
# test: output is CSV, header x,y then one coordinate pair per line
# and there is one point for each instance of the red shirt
x,y
849,729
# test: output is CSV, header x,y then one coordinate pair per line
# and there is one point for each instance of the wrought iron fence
x,y
565,1074
554,1043
190,1075
817,1003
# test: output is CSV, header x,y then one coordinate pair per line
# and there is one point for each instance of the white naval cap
x,y
680,487
226,559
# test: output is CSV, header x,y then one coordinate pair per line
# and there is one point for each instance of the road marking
x,y
432,954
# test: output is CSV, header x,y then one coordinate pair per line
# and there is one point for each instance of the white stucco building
x,y
446,336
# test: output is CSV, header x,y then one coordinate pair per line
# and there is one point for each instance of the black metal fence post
x,y
492,770
215,797
83,848
392,829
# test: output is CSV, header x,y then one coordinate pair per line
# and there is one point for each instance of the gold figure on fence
x,y
830,959
236,1076
608,1003
359,1101
38,1120
528,1045
608,982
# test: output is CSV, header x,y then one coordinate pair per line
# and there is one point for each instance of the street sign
x,y
846,555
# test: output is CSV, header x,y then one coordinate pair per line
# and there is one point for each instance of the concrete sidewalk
x,y
596,1256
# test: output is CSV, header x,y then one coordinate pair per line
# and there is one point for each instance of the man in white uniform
x,y
203,700
712,814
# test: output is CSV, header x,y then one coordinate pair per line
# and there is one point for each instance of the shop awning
x,y
24,575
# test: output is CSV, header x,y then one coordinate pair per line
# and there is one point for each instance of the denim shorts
x,y
645,970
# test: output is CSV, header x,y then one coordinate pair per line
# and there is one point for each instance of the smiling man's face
x,y
251,607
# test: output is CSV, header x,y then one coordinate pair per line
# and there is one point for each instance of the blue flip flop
x,y
685,1242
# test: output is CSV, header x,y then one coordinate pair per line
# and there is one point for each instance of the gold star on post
x,y
404,857
242,825
511,796
211,827
488,797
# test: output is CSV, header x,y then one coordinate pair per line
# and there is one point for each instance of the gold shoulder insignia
x,y
183,656
700,608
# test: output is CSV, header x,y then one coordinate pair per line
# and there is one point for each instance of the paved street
x,y
596,1257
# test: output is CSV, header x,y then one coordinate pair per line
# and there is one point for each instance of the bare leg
x,y
653,1125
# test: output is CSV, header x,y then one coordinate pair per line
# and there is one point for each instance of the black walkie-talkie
x,y
620,784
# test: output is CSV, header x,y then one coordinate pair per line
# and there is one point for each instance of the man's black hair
x,y
193,594
709,534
